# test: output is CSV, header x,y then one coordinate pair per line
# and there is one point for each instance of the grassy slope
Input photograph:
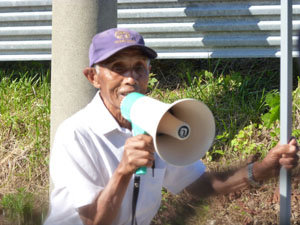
x,y
24,139
235,91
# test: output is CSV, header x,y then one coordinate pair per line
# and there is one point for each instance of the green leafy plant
x,y
18,206
245,142
152,82
273,102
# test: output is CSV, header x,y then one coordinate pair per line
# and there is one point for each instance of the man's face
x,y
123,73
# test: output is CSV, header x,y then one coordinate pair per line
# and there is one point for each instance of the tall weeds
x,y
24,137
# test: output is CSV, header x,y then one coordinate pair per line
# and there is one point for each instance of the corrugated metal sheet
x,y
174,28
208,29
25,30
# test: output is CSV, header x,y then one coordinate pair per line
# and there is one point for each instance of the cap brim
x,y
150,53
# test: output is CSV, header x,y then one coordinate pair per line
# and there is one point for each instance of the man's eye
x,y
119,69
140,69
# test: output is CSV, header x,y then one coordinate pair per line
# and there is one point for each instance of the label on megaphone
x,y
184,131
174,127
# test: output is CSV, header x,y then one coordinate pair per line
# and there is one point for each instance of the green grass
x,y
235,91
18,206
24,137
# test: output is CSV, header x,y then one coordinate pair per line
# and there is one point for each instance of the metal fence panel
x,y
208,29
25,30
174,28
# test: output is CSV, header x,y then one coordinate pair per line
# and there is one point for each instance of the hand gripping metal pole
x,y
285,105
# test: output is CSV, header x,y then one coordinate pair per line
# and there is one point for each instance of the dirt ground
x,y
250,206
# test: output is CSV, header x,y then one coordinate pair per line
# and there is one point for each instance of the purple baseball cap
x,y
111,41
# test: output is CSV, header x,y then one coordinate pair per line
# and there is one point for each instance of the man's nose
x,y
130,77
131,74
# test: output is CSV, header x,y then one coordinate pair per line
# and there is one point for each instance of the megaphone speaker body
x,y
181,146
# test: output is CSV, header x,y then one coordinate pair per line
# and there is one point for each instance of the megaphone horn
x,y
182,131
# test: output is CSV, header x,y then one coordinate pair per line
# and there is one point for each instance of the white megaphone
x,y
182,132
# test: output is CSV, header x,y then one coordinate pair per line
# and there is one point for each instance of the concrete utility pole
x,y
74,23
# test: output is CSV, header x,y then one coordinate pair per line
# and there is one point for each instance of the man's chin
x,y
125,123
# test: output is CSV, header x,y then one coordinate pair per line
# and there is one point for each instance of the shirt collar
x,y
101,119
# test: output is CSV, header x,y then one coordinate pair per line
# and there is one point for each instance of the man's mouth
x,y
126,93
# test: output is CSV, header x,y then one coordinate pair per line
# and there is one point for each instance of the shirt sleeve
x,y
74,169
177,178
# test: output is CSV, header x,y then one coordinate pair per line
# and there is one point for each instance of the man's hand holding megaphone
x,y
138,152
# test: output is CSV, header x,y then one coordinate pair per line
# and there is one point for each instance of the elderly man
x,y
95,155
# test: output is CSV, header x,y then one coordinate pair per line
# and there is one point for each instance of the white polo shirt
x,y
86,151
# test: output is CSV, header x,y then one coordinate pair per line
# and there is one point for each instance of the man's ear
x,y
90,73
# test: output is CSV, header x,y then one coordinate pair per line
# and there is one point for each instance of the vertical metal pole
x,y
285,105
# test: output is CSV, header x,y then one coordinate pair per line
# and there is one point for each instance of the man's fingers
x,y
286,149
143,142
140,154
289,163
138,158
292,141
145,162
286,161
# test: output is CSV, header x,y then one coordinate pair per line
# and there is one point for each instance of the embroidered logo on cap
x,y
123,37
122,34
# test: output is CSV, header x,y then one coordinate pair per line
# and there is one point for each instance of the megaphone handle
x,y
136,131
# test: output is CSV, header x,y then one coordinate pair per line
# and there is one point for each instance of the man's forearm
x,y
225,182
211,183
106,207
230,181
